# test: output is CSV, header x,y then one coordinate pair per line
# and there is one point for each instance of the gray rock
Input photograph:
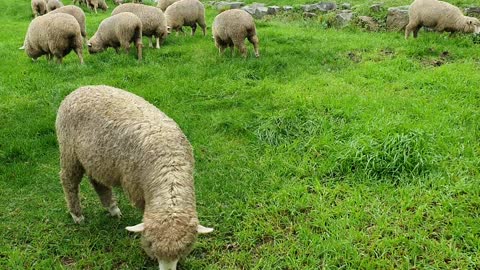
x,y
346,6
309,8
473,11
376,7
287,8
257,10
272,10
309,14
397,18
343,18
326,6
368,23
223,5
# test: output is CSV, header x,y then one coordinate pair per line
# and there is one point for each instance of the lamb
x,y
53,4
118,31
94,4
163,4
439,15
231,27
119,139
153,21
39,7
54,35
75,12
186,12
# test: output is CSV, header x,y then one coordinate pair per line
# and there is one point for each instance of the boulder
x,y
397,18
368,23
257,10
346,6
376,7
223,5
473,12
272,10
343,18
287,8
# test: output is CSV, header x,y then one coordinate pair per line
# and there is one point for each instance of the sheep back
x,y
153,19
163,4
53,4
75,12
53,34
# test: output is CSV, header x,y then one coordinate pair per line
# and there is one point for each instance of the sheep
x,y
75,12
119,139
53,4
39,7
153,21
186,12
94,4
231,27
439,15
163,4
54,35
118,31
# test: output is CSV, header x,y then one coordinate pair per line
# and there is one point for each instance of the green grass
x,y
334,149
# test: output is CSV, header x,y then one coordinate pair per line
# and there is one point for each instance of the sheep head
x,y
472,25
168,240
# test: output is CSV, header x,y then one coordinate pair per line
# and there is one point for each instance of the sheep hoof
x,y
77,220
115,211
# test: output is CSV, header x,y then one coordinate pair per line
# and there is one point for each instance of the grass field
x,y
334,149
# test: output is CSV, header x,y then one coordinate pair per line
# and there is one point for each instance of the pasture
x,y
335,149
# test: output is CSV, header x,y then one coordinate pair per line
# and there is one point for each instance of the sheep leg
x,y
71,176
254,41
150,42
139,51
241,47
106,197
203,25
409,28
158,42
232,49
194,28
181,30
79,53
415,31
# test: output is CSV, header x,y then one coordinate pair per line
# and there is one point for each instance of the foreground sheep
x,y
118,31
39,7
53,4
231,27
94,4
119,139
75,12
440,16
53,35
186,12
163,4
153,21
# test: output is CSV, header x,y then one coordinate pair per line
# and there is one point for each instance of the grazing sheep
x,y
439,15
118,31
39,7
75,12
163,4
231,27
53,4
153,21
119,139
94,4
186,12
53,35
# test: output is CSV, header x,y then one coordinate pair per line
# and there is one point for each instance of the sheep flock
x,y
118,139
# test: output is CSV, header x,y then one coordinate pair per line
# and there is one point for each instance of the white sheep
x,y
186,12
75,12
53,35
119,139
231,27
39,7
118,31
154,23
439,15
164,4
53,4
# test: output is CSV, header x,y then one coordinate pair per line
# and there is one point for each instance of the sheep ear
x,y
137,228
203,230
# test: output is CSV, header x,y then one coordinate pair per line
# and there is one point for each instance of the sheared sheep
x,y
119,139
75,12
53,35
186,12
439,15
153,21
39,7
163,4
94,4
53,4
231,27
118,31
